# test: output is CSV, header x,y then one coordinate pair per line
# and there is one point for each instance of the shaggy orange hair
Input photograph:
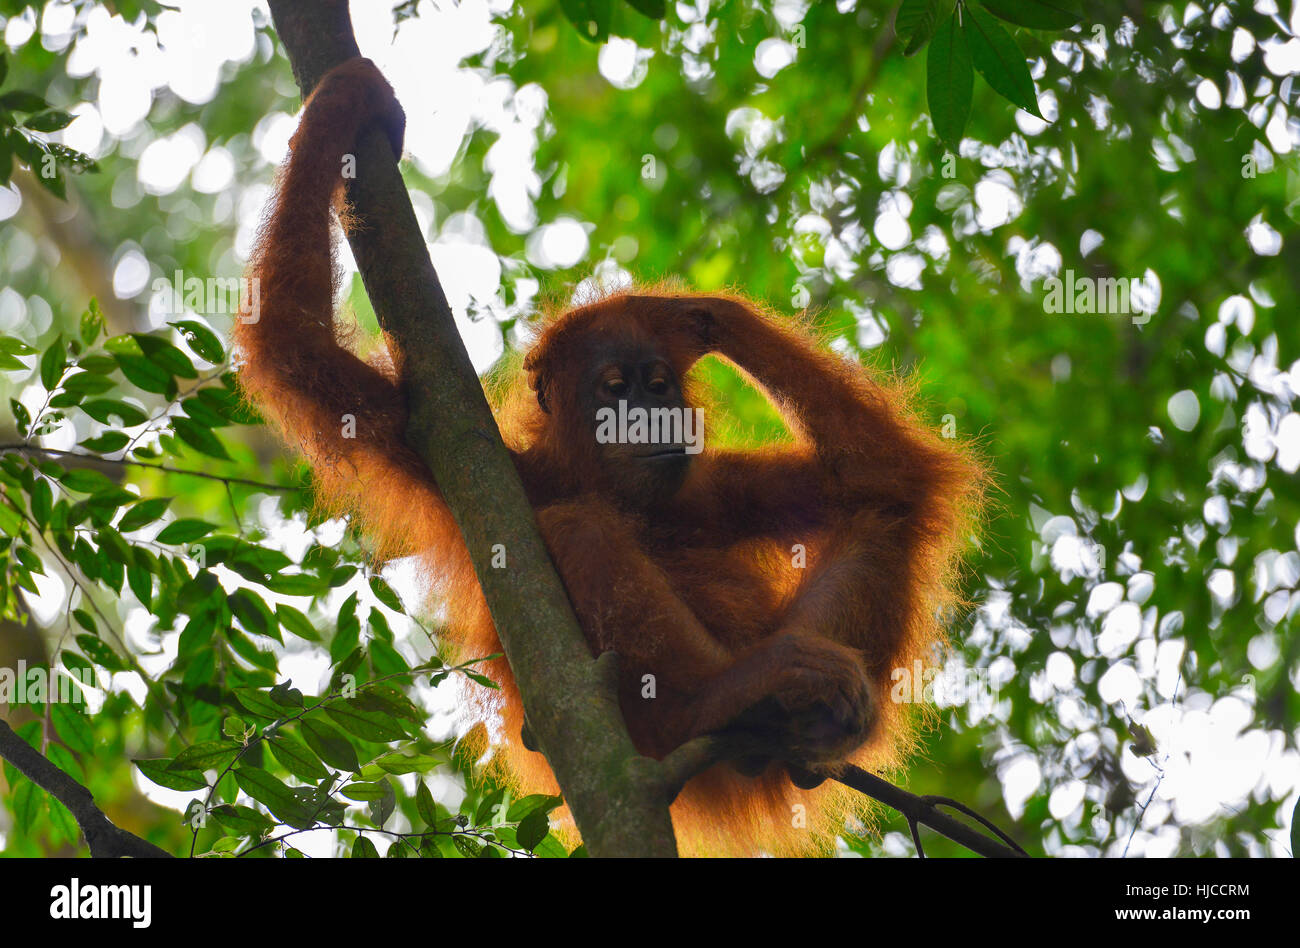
x,y
300,371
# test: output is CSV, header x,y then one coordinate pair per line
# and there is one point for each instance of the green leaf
x,y
385,659
382,809
229,405
654,9
111,571
29,561
258,560
144,512
253,614
297,758
244,647
92,323
102,505
467,847
199,438
241,820
296,622
533,829
999,60
66,761
259,703
104,410
275,795
296,584
64,822
399,764
949,82
363,848
112,544
99,653
157,771
331,811
285,695
77,664
340,575
52,363
74,727
917,20
22,101
364,792
483,680
21,415
206,755
27,802
380,628
1037,14
203,413
203,342
11,524
106,443
84,555
42,502
51,120
184,531
590,18
521,808
330,745
52,184
85,383
425,806
367,725
144,375
139,579
347,632
166,356
198,656
196,633
12,345
86,481
1295,831
388,702
97,364
385,594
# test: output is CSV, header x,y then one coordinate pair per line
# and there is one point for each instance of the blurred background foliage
x,y
1129,664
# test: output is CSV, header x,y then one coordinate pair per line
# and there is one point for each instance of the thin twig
x,y
29,450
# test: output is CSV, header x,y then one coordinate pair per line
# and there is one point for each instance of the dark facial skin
x,y
636,373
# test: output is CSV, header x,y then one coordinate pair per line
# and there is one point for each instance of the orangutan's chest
x,y
739,593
